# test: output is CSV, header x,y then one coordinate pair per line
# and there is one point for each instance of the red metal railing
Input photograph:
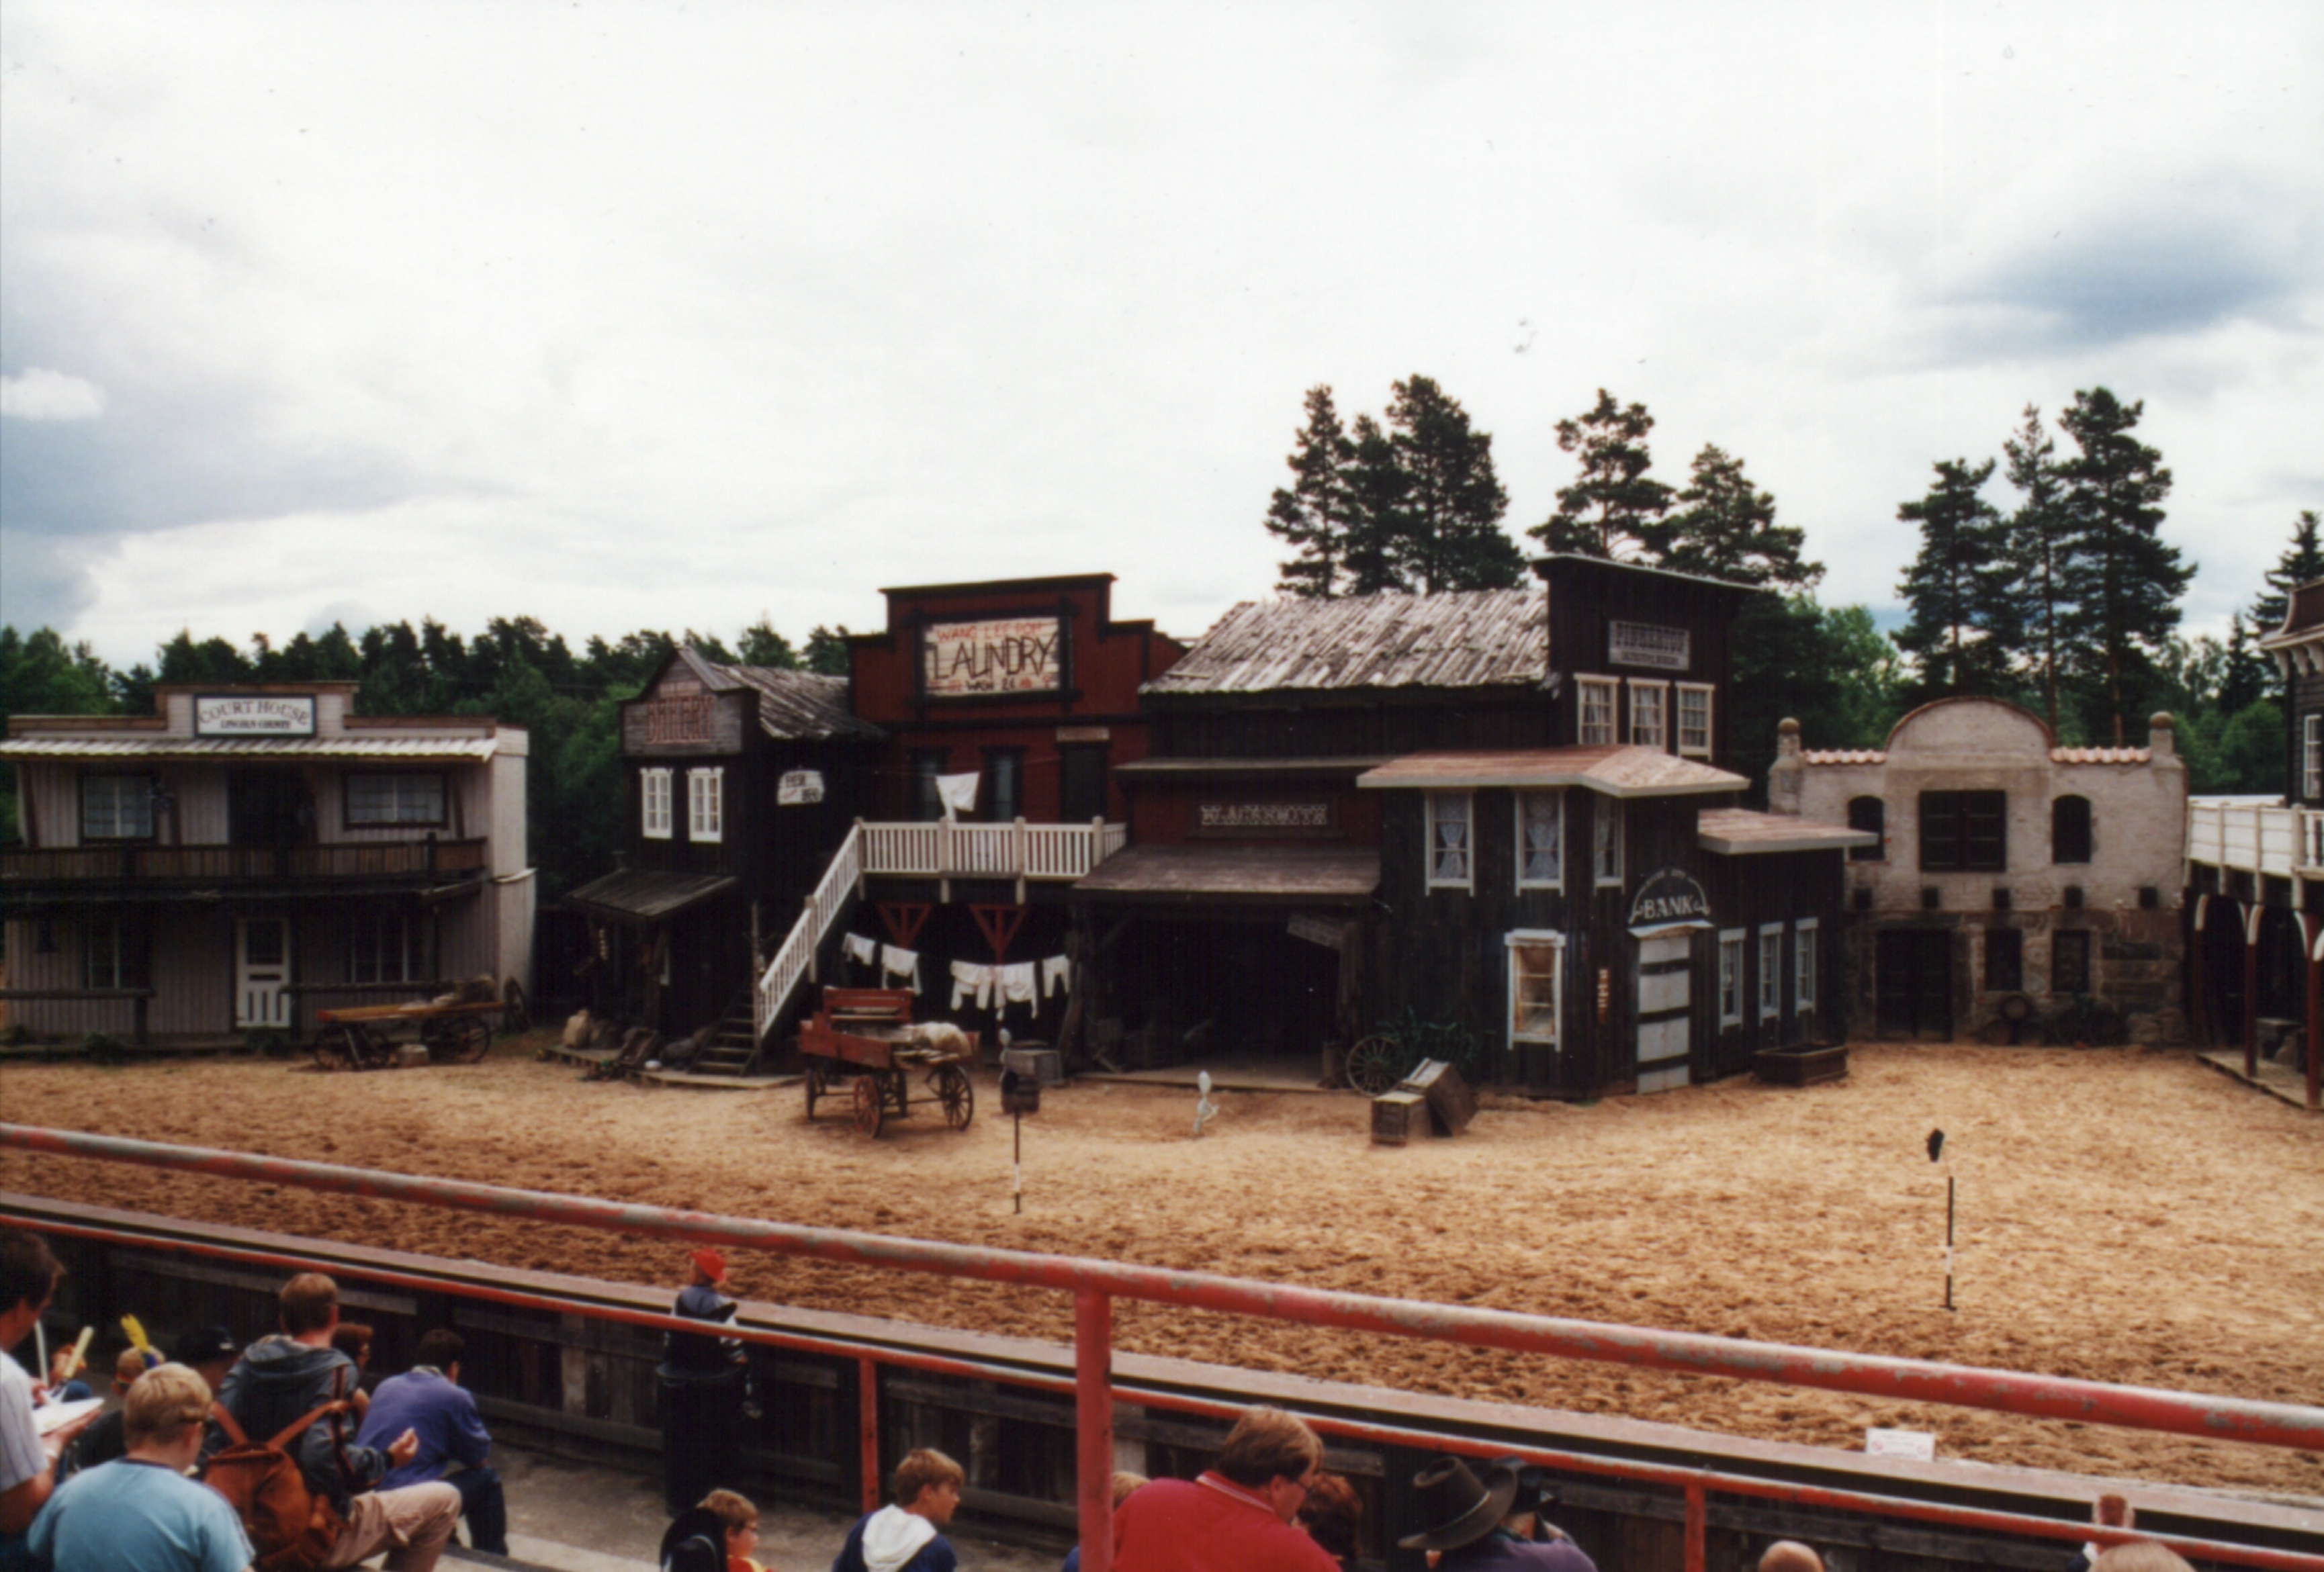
x,y
1096,1283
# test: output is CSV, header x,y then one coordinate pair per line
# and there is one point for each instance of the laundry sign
x,y
1004,655
799,787
254,715
1669,897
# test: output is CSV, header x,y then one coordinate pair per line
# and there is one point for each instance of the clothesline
x,y
1021,982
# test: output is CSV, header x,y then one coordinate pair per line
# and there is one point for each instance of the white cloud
x,y
38,393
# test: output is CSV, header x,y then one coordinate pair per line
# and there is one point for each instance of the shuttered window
x,y
1964,831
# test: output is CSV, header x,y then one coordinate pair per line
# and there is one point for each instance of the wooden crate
x,y
1397,1117
1804,1064
1449,1097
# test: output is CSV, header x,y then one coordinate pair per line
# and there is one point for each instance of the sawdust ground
x,y
2125,1216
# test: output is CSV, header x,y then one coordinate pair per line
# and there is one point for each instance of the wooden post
x,y
2250,925
1024,855
2199,1013
867,1428
2311,930
1093,1427
1697,1516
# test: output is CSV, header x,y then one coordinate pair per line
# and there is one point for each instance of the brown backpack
x,y
290,1528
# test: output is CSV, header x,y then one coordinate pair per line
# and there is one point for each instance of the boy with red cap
x,y
702,1382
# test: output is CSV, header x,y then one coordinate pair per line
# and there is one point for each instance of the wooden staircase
x,y
733,1048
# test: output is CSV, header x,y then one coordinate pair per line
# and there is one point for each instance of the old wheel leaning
x,y
957,1096
467,1042
335,1048
870,1104
1375,1065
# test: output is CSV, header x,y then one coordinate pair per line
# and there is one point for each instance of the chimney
x,y
2161,738
1784,778
1787,737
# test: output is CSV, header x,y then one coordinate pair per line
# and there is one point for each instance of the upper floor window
x,y
1541,839
1647,727
1694,719
1606,840
1964,831
705,804
1004,784
377,799
2070,829
1451,854
1597,706
116,808
2312,756
1771,971
928,801
653,802
1869,814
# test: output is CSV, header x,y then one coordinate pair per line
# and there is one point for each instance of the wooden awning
x,y
1257,875
644,896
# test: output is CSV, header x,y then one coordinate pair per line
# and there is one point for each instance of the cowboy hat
x,y
1457,1509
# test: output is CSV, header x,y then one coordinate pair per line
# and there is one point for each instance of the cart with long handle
x,y
368,1036
863,1039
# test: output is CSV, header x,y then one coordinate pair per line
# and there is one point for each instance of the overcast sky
x,y
630,315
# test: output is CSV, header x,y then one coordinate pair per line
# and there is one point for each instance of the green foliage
x,y
1450,535
762,646
2035,550
1726,528
42,674
1378,484
826,651
1960,627
1317,512
1612,506
2123,579
2302,561
1827,668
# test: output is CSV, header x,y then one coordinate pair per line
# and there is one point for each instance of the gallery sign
x,y
254,715
1001,655
1669,897
1649,644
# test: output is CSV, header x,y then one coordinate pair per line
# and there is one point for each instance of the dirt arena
x,y
2125,1216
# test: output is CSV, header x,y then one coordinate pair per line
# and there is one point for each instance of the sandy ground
x,y
2125,1216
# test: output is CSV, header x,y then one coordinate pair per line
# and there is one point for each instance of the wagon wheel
x,y
958,1096
871,1102
462,1042
1375,1065
815,1086
515,1019
337,1048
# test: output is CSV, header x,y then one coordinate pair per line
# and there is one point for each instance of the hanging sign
x,y
799,787
254,715
1328,933
1647,643
1669,897
1006,654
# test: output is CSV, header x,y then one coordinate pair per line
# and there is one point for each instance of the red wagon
x,y
863,1039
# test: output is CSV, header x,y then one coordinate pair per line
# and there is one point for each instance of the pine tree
x,y
2302,561
1726,528
826,651
760,645
1452,537
1380,489
1955,586
2243,673
2123,578
1316,512
1601,513
2035,548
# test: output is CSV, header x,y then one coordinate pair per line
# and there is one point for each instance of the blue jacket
x,y
441,1415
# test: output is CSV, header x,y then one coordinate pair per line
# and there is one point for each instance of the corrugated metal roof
x,y
798,706
1613,771
399,748
1740,832
646,894
1468,639
1844,756
2100,755
1336,874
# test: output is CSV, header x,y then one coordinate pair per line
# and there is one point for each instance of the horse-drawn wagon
x,y
864,1040
371,1036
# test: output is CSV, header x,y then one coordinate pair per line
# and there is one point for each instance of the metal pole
x,y
1093,1427
2213,1418
1695,1524
867,1428
1017,1182
1949,1240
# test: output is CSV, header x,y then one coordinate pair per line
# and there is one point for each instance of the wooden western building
x,y
740,780
244,855
1492,822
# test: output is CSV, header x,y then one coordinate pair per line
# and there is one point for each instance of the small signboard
x,y
1327,931
254,715
1918,1445
799,787
1649,645
1669,897
676,719
1263,818
1004,655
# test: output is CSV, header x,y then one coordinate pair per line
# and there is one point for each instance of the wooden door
x,y
1913,982
262,973
1665,1010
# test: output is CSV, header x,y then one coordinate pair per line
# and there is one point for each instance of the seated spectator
x,y
1238,1514
353,1338
296,1370
103,1441
1790,1556
430,1401
140,1511
1125,1485
905,1535
2141,1556
740,1518
28,1460
1333,1514
1468,1522
65,1385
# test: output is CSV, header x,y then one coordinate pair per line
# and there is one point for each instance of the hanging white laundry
x,y
1017,986
1057,971
957,793
861,947
968,978
903,963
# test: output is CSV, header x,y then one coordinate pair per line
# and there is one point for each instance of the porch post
x,y
2311,931
2251,923
867,1428
1093,1427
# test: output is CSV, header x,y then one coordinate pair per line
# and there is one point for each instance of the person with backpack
x,y
294,1388
139,1509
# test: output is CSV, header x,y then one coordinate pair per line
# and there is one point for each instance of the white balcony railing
x,y
2248,837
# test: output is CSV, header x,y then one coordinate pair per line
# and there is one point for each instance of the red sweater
x,y
1210,1525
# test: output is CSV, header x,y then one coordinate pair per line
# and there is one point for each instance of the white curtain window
x,y
1646,720
1451,854
380,948
1536,986
1804,965
1771,971
653,799
1541,839
1731,978
1597,699
376,800
1606,840
705,804
1693,719
116,808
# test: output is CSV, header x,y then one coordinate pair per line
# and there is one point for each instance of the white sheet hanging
x,y
903,963
861,947
1056,974
957,793
967,978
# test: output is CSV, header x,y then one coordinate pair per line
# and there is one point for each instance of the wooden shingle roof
x,y
1459,639
795,706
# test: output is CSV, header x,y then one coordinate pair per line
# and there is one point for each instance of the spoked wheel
x,y
336,1049
1375,1065
462,1042
957,1096
814,1087
514,1018
871,1103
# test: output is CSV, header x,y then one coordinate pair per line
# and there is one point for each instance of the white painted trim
x,y
1737,937
1709,720
653,793
705,804
1468,879
1509,942
1771,1008
1612,687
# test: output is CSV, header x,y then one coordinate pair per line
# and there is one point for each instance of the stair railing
x,y
794,959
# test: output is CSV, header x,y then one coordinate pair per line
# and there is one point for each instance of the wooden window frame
x,y
1771,975
373,923
1951,812
989,790
1524,849
1807,965
2312,756
1468,879
2016,945
2088,947
347,819
146,779
124,963
1605,837
1704,692
1611,689
1731,974
705,785
654,793
1534,938
2088,830
1659,692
